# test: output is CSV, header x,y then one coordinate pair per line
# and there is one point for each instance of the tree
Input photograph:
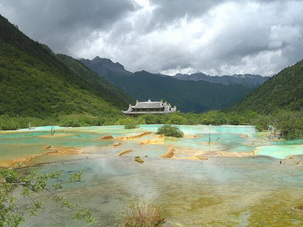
x,y
177,120
29,184
290,124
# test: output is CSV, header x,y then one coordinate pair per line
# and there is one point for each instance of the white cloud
x,y
212,36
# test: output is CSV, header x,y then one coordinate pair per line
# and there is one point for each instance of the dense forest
x,y
36,82
283,91
278,102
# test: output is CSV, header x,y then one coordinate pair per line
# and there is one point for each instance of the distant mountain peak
x,y
96,58
107,61
105,66
281,92
247,80
143,71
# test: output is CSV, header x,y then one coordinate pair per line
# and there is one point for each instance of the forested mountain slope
x,y
36,82
188,96
282,91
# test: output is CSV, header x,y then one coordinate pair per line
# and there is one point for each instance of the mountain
x,y
282,91
105,67
36,82
247,80
188,96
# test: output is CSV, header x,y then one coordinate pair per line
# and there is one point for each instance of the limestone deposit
x,y
169,154
134,137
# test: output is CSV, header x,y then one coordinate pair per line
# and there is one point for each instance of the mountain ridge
x,y
248,80
36,82
188,96
106,67
284,91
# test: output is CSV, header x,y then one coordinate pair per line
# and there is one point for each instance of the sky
x,y
217,37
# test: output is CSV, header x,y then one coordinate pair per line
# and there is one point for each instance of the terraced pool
x,y
242,182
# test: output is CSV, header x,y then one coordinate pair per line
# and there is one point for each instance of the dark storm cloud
x,y
59,23
169,36
168,10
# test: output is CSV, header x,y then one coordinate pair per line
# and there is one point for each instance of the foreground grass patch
x,y
139,215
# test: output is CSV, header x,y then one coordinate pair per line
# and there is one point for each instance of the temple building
x,y
150,107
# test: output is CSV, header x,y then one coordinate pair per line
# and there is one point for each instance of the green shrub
x,y
71,123
290,124
130,126
125,121
169,130
13,123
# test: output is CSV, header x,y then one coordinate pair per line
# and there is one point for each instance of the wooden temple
x,y
150,107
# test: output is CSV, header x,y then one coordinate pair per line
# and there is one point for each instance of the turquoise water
x,y
42,128
281,152
219,192
254,190
18,145
208,140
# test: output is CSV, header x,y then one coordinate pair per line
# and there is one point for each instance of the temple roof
x,y
144,112
150,105
153,105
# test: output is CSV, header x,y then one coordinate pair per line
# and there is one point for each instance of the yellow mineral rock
x,y
117,144
139,160
106,137
156,141
135,136
124,152
169,154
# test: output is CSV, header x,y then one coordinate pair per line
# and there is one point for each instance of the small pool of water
x,y
280,152
42,128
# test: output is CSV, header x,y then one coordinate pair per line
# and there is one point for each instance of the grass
x,y
144,215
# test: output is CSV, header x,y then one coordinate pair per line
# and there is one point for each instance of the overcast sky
x,y
169,36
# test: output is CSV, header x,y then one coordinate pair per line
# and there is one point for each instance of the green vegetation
x,y
288,123
169,130
130,126
188,96
207,118
29,185
73,120
283,91
278,102
143,215
35,82
78,120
